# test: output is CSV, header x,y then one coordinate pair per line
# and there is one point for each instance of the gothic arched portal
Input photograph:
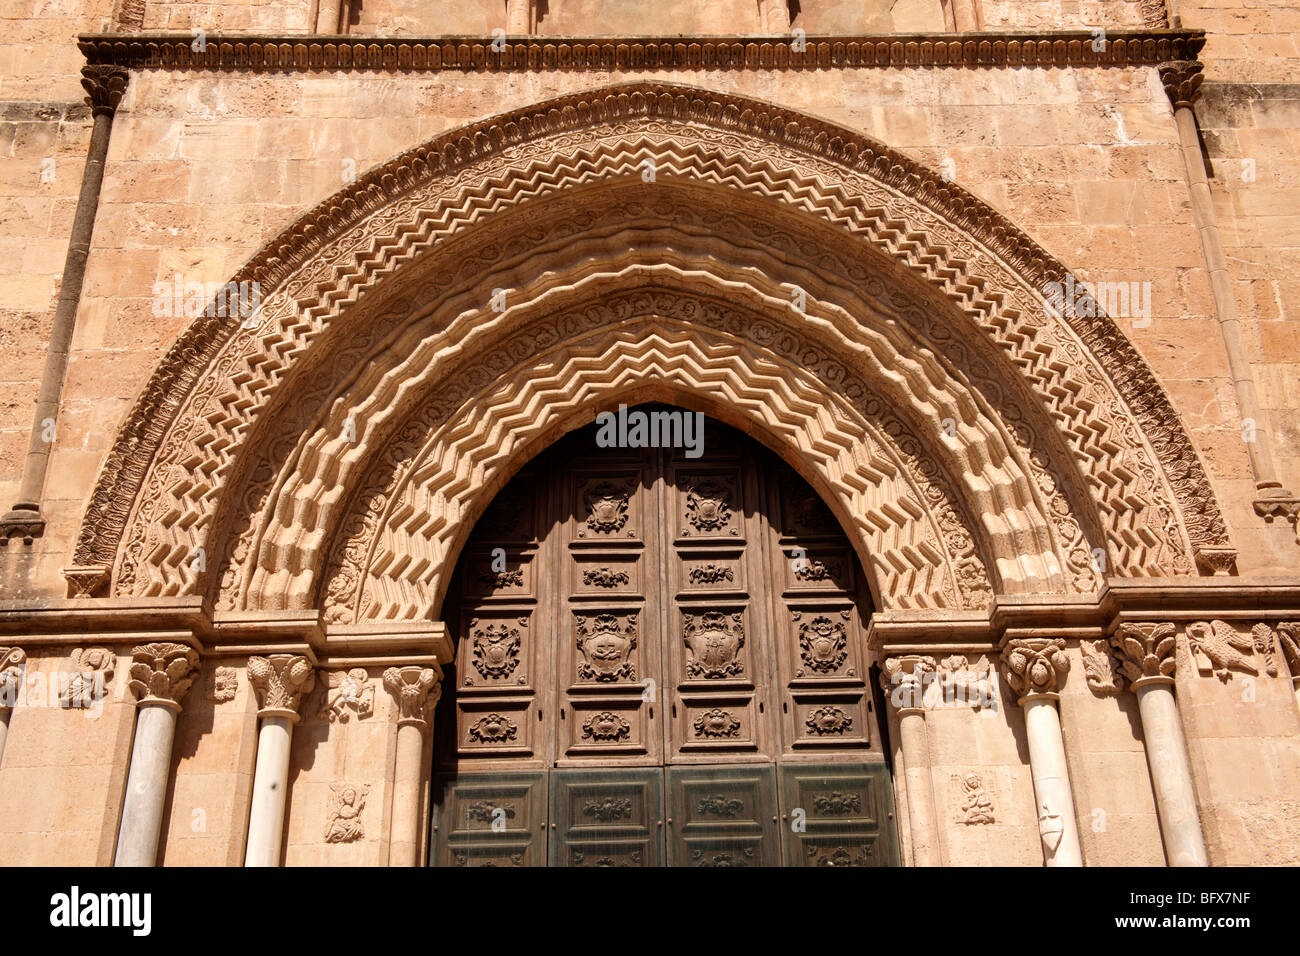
x,y
661,659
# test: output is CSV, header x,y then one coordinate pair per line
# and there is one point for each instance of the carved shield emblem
x,y
822,644
714,640
605,648
496,649
606,507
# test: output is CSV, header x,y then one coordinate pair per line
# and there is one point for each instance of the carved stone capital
x,y
416,690
12,664
903,680
161,673
1218,562
280,681
1182,81
23,521
1147,652
104,87
1035,665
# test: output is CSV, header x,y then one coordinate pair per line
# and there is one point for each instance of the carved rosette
x,y
104,86
13,661
416,690
1035,665
161,673
280,682
1182,81
1147,652
903,680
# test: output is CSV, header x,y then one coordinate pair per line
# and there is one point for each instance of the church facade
x,y
603,433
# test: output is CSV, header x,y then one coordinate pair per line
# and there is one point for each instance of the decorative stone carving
x,y
1051,827
823,643
223,684
716,723
1182,81
343,813
836,804
104,86
1220,649
708,507
606,646
92,672
493,728
1261,636
605,578
1099,668
714,640
606,725
819,855
720,806
1146,650
606,809
1288,635
963,683
496,649
606,508
163,672
1154,14
84,582
1218,562
903,678
1035,665
280,682
13,662
416,690
828,721
348,692
976,805
135,463
711,574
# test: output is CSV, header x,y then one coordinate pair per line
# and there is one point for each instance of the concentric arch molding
x,y
184,434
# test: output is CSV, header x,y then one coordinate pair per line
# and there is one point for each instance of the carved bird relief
x,y
1226,649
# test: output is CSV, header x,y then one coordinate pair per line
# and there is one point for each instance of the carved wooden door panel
x,y
607,817
723,816
664,652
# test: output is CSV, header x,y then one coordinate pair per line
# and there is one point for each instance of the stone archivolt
x,y
182,450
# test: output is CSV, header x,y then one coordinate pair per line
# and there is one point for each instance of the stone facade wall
x,y
204,168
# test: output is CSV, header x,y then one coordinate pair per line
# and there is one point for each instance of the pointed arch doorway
x,y
660,661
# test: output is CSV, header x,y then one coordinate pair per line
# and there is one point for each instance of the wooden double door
x,y
660,659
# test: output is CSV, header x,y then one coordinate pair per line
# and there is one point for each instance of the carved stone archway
x,y
1047,437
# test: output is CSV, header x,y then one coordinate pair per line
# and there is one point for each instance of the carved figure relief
x,y
496,649
964,683
346,693
92,672
828,721
708,507
1099,668
1220,649
605,577
606,726
605,647
823,643
716,723
343,813
606,508
493,728
714,640
223,684
976,804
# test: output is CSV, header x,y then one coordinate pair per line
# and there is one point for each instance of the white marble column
x,y
903,680
160,675
416,690
280,682
12,664
1147,656
1034,667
